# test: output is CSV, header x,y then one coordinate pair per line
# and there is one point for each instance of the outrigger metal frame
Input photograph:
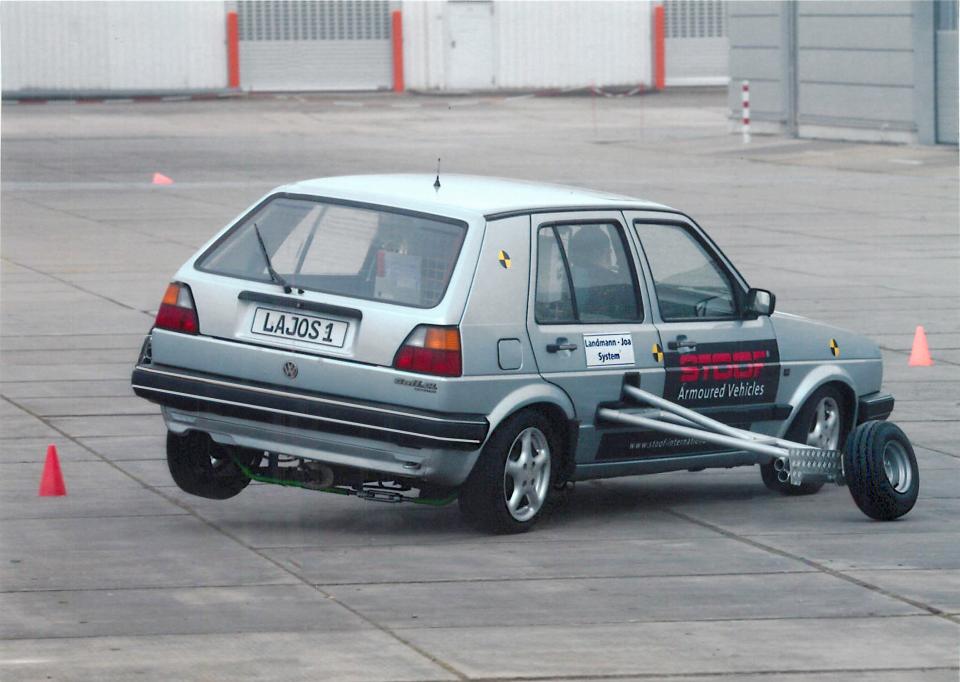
x,y
793,462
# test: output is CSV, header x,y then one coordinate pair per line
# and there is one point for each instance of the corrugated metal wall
x,y
534,44
947,72
83,47
758,53
851,69
855,64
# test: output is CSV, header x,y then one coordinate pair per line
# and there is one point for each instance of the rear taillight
x,y
177,312
431,350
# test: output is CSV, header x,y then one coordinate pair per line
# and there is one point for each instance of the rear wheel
x,y
512,481
821,423
202,467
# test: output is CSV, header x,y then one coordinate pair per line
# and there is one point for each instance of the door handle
x,y
561,344
682,343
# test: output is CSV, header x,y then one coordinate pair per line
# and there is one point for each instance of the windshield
x,y
346,250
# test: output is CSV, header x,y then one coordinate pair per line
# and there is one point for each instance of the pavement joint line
x,y
938,451
210,524
42,590
840,575
116,227
508,579
78,288
655,621
18,519
101,414
735,674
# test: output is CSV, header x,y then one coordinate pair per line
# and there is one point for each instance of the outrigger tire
x,y
881,470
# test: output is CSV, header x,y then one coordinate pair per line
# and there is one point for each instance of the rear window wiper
x,y
274,275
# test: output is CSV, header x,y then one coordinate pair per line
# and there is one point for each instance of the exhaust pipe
x,y
782,466
322,475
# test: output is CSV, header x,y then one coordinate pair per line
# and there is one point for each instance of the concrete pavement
x,y
677,576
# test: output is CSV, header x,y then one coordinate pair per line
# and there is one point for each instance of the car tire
x,y
821,422
881,470
202,467
513,481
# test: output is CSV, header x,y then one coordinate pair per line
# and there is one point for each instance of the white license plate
x,y
300,327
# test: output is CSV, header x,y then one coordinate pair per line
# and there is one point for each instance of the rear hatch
x,y
330,278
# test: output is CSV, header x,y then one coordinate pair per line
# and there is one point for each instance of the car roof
x,y
464,196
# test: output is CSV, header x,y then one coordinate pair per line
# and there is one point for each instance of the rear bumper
x,y
874,406
410,428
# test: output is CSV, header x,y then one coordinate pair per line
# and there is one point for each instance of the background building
x,y
100,48
870,70
878,70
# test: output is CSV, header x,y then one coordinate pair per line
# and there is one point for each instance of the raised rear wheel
x,y
202,467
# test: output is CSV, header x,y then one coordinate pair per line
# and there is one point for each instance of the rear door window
x,y
361,252
584,274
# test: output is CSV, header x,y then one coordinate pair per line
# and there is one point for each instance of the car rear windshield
x,y
361,252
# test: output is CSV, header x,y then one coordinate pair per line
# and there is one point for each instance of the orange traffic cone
x,y
920,355
51,481
161,179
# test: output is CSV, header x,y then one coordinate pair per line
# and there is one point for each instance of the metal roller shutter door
x,y
696,45
303,45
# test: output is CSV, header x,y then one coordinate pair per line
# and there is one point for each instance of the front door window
x,y
690,284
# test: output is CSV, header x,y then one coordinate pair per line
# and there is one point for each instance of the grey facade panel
x,y
754,31
865,67
753,8
857,104
867,32
760,63
854,7
947,87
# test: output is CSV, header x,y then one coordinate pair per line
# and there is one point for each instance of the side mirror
x,y
760,302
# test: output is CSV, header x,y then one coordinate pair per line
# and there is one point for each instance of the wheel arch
x,y
552,403
824,376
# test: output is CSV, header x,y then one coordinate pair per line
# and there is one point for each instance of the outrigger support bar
x,y
793,462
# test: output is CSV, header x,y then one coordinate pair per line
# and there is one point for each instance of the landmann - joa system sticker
x,y
609,349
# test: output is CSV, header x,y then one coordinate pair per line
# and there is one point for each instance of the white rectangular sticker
x,y
608,350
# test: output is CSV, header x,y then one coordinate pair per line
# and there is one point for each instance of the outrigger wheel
x,y
880,468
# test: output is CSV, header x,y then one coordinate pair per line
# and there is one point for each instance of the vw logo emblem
x,y
290,370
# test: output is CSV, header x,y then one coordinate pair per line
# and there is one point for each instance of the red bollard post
x,y
396,25
233,50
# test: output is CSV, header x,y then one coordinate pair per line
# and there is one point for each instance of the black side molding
x,y
874,406
312,306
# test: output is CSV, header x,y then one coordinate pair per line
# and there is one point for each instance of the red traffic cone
x,y
161,179
920,354
51,481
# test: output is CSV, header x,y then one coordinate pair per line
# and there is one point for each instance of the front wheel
x,y
204,468
511,483
822,423
881,470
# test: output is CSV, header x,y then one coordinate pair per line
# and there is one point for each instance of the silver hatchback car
x,y
405,337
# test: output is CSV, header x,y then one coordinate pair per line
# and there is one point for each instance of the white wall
x,y
112,46
552,44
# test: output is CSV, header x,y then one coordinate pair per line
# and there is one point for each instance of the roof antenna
x,y
436,183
